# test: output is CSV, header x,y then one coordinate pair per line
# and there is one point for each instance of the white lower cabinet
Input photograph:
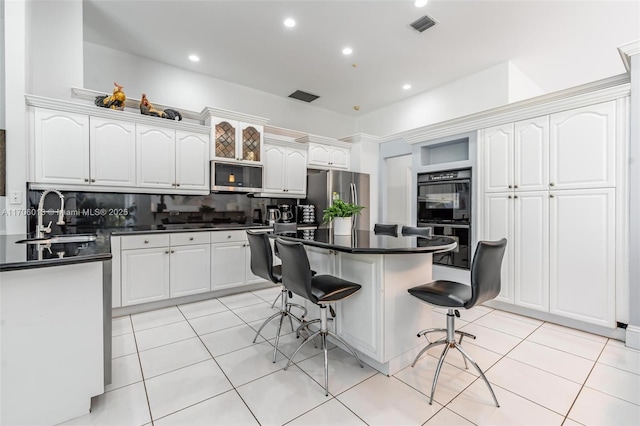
x,y
145,275
560,254
231,260
582,252
160,266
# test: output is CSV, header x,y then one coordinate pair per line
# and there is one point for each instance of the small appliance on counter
x,y
286,214
305,213
273,214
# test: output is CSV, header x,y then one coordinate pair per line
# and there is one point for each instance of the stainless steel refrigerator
x,y
350,186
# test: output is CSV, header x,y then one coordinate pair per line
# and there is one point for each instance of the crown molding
x,y
587,94
209,112
294,134
323,141
627,50
112,114
362,137
132,103
273,139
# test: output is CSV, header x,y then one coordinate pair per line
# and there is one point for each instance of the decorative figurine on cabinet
x,y
147,108
114,101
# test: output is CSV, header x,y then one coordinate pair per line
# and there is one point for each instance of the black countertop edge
x,y
46,263
116,232
365,250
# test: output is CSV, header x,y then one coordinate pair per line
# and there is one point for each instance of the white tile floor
x,y
196,364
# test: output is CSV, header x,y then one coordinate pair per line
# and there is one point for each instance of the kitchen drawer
x,y
228,236
145,241
189,238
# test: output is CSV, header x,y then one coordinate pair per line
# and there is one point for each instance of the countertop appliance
x,y
235,177
286,213
444,204
350,186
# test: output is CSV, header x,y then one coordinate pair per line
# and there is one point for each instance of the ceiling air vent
x,y
423,23
303,96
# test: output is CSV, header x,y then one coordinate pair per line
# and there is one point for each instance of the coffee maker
x,y
286,213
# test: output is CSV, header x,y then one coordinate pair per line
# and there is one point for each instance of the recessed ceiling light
x,y
406,87
347,51
194,58
420,3
289,23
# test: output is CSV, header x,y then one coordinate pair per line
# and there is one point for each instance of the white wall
x,y
521,87
54,43
179,88
3,224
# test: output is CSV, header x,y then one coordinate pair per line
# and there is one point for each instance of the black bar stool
x,y
323,290
262,266
384,229
485,285
426,232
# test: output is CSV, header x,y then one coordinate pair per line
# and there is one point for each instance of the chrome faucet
x,y
41,230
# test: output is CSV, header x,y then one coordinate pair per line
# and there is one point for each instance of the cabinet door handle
x,y
146,241
510,197
515,186
166,251
177,184
86,180
172,251
551,195
228,236
510,186
93,180
552,184
190,238
515,196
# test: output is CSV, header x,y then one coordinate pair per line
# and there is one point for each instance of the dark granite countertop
x,y
192,227
16,256
369,242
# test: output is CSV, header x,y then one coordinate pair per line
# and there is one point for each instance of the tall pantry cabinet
x,y
548,185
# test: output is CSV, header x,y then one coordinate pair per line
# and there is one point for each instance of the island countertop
x,y
16,256
362,241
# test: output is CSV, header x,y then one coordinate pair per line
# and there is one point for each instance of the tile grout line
x,y
144,382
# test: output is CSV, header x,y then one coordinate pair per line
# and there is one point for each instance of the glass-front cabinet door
x,y
225,140
251,143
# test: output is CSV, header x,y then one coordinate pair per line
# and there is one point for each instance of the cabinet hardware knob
x,y
510,186
146,241
552,184
166,252
228,236
515,186
510,197
177,184
515,196
173,251
86,180
93,180
190,238
551,195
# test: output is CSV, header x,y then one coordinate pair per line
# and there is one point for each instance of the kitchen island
x,y
381,320
54,299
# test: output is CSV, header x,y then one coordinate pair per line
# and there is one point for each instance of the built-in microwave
x,y
236,177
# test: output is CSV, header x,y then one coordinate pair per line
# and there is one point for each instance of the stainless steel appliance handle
x,y
354,200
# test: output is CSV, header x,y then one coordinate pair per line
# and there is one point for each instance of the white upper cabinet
x,y
582,146
172,159
531,154
112,150
156,147
328,156
235,141
498,158
516,155
89,148
61,147
191,171
285,170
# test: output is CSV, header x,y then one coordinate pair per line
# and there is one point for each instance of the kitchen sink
x,y
59,239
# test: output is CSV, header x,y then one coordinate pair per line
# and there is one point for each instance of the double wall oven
x,y
444,204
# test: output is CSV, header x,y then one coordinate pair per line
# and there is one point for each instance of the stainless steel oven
x,y
444,204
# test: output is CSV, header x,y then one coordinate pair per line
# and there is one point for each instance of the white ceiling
x,y
558,44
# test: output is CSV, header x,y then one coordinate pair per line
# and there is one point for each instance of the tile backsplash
x,y
86,211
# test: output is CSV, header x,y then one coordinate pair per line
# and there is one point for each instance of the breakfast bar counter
x,y
381,320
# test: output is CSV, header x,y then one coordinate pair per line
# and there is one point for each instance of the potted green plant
x,y
341,213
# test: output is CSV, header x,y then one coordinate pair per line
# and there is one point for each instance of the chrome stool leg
x,y
277,297
304,342
450,342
